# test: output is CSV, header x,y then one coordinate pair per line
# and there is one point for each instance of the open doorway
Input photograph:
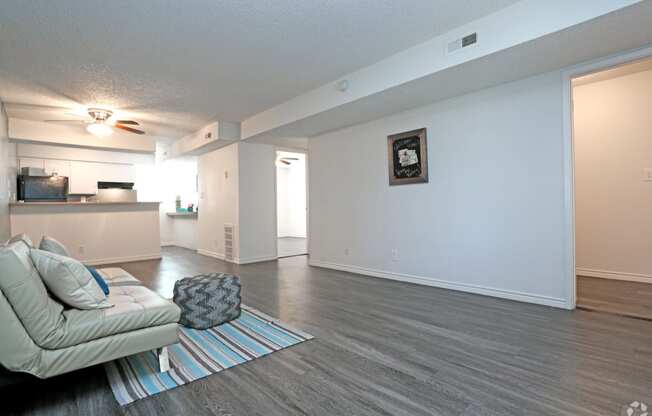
x,y
612,147
291,203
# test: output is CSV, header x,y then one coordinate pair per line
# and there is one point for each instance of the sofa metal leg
x,y
163,359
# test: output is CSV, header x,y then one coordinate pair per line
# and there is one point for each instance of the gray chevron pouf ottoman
x,y
208,300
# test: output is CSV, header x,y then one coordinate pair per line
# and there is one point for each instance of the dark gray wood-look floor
x,y
384,348
615,296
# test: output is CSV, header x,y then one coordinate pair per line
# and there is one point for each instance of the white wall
x,y
177,177
181,231
7,176
257,213
489,221
237,187
291,196
613,146
218,200
282,201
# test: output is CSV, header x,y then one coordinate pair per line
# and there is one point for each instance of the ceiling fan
x,y
99,124
286,160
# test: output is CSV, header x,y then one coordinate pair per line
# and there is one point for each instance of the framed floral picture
x,y
408,157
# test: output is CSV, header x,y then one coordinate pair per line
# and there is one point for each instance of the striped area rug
x,y
200,354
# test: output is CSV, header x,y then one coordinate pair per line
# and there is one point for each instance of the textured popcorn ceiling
x,y
184,63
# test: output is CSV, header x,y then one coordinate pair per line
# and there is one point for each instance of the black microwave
x,y
42,188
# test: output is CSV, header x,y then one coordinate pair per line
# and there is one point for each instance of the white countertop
x,y
183,214
77,203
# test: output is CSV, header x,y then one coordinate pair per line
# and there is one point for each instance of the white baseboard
x,y
179,245
235,260
167,243
462,287
254,259
210,253
127,259
608,274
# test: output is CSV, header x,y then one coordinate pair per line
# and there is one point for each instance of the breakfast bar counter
x,y
94,232
75,203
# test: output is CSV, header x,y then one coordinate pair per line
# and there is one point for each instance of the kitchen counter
x,y
183,214
60,203
93,232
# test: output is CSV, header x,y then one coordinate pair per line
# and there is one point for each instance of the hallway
x,y
292,246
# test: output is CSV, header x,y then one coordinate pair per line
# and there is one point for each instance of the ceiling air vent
x,y
464,42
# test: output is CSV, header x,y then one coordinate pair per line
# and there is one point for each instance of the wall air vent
x,y
463,42
228,242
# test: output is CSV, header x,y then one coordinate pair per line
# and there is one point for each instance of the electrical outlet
x,y
647,174
346,251
394,254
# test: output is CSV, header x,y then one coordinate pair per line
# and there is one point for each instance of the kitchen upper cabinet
x,y
118,173
59,167
84,176
28,162
51,166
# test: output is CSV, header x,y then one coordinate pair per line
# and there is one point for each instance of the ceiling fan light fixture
x,y
101,125
99,129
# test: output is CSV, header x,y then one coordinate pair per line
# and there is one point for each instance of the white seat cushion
x,y
135,307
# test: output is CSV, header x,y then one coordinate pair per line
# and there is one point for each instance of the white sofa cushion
x,y
20,237
53,246
69,280
39,314
135,307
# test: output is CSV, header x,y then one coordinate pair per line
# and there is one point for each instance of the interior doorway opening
x,y
612,163
291,203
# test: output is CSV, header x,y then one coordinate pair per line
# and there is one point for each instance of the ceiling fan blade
x,y
285,161
289,158
67,121
129,122
76,114
129,129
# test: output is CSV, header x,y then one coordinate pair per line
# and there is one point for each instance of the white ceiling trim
x,y
515,25
40,132
616,72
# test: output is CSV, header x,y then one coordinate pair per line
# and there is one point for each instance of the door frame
x,y
568,75
307,186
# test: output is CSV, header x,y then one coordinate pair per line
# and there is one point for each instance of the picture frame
x,y
407,155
